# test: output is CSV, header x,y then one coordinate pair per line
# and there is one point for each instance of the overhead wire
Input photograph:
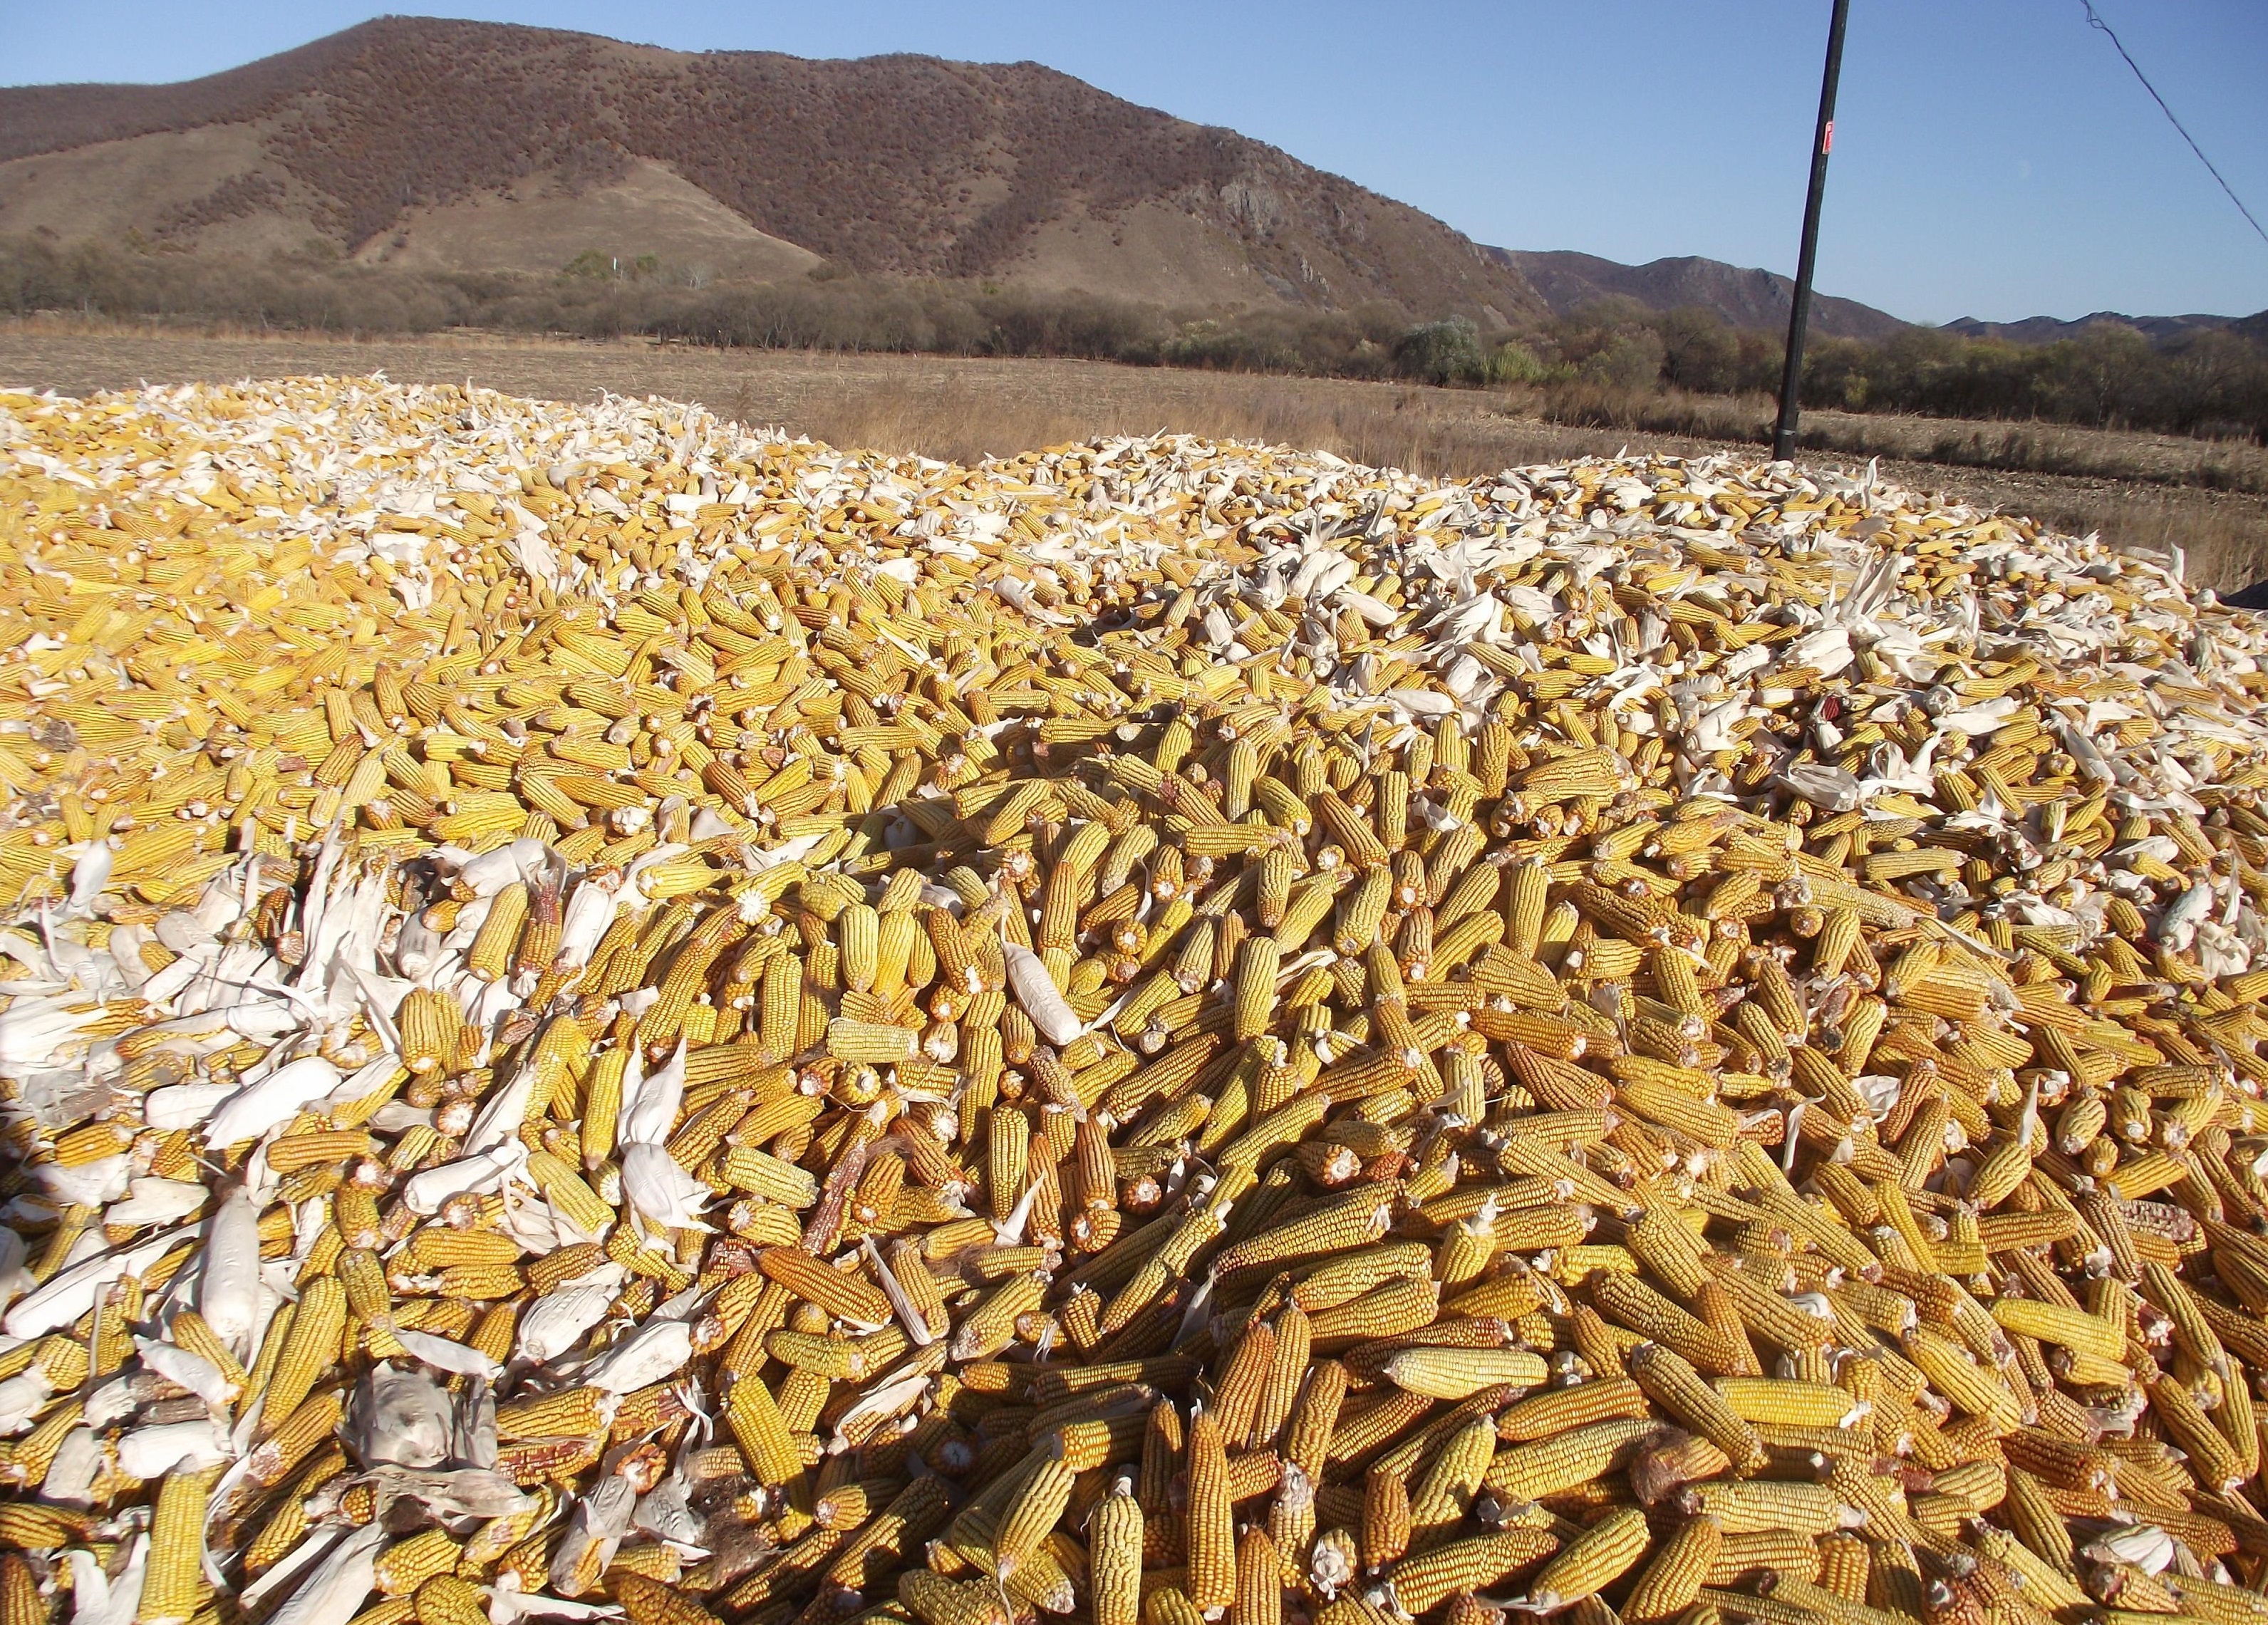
x,y
2094,21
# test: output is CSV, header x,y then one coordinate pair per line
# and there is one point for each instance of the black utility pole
x,y
1799,316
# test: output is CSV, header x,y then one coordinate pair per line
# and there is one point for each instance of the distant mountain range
x,y
1743,298
432,144
2048,329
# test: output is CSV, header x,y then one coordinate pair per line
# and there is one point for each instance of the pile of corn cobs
x,y
606,1015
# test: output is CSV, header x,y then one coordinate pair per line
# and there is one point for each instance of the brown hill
x,y
1745,297
476,145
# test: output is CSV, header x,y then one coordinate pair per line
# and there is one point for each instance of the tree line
x,y
1604,360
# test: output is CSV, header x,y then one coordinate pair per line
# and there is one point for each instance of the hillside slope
x,y
478,145
1743,298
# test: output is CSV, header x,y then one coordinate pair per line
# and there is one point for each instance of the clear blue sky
x,y
1993,157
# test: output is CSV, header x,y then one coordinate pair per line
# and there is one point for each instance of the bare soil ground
x,y
2139,490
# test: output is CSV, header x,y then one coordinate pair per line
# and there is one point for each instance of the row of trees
x,y
2209,382
598,296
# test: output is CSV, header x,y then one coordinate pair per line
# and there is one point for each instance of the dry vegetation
x,y
2026,447
2128,486
1612,364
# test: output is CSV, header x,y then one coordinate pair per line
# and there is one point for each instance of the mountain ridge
x,y
2051,329
1745,296
900,165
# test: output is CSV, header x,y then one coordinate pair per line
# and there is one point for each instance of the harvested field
x,y
603,1014
2136,490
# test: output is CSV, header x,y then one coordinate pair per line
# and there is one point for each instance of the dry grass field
x,y
2142,490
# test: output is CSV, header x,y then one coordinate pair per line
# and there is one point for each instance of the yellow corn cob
x,y
1446,1492
311,1348
647,1601
575,1201
1314,1418
1115,1557
1035,1511
1673,1578
1254,983
838,1293
1577,773
65,1362
1421,1583
406,1565
437,1246
33,1455
20,1602
489,956
755,1419
1631,1303
1777,1400
1544,1416
603,1101
2050,1586
1758,1504
1954,1373
859,933
567,1414
1386,1311
871,1041
430,1022
1594,1560
296,1436
1238,1393
747,1168
173,1582
780,1005
482,1281
1211,1530
1345,1223
937,1600
846,1506
1386,1516
1287,1370
1008,1139
38,1528
190,1330
2213,1458
311,1150
1458,1373
1844,1566
446,1599
1531,1471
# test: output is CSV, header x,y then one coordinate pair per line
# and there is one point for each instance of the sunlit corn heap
x,y
609,1015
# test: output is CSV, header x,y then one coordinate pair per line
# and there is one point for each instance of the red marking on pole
x,y
1827,141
